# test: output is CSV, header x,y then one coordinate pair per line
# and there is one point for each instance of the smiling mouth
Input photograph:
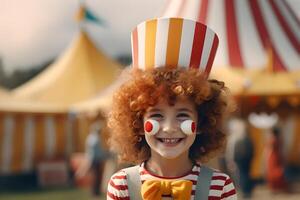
x,y
170,140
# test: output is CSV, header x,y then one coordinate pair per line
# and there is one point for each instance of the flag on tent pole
x,y
85,14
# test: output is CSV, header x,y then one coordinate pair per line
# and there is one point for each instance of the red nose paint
x,y
193,127
148,126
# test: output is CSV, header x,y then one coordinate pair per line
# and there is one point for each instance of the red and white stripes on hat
x,y
173,42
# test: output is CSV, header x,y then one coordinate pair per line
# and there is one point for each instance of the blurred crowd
x,y
277,173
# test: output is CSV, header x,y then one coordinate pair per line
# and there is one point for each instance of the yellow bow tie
x,y
178,189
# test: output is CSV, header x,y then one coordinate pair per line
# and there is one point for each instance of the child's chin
x,y
170,155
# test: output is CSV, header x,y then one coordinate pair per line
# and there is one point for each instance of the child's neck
x,y
169,167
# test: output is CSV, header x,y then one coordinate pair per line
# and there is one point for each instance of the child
x,y
167,117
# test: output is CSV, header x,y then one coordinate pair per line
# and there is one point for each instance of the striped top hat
x,y
173,42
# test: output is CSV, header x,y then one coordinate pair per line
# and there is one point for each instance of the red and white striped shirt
x,y
221,185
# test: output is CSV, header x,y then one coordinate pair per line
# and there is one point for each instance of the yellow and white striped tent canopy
x,y
34,121
80,73
27,138
30,132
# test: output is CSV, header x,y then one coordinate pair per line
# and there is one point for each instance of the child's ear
x,y
198,132
141,133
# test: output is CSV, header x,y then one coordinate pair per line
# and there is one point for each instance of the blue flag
x,y
85,14
93,18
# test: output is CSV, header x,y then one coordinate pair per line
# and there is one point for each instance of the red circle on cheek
x,y
148,126
193,127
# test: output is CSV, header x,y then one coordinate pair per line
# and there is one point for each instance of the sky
x,y
35,31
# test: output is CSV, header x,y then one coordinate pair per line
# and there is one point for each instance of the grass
x,y
49,194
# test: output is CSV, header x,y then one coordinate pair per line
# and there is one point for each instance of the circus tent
x,y
102,101
248,31
78,74
35,123
97,107
255,37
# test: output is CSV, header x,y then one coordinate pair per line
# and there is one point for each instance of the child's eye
x,y
183,115
156,115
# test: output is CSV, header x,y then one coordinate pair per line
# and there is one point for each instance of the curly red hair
x,y
145,88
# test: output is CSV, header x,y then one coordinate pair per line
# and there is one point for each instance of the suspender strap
x,y
133,182
203,183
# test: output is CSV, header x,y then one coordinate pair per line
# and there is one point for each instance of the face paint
x,y
188,127
151,127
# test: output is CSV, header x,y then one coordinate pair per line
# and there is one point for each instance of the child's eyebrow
x,y
184,110
154,110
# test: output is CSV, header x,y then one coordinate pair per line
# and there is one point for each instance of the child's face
x,y
170,141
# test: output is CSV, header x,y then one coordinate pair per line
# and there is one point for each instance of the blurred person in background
x,y
243,155
274,163
239,155
95,156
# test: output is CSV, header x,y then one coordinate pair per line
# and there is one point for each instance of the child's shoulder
x,y
119,177
217,174
221,185
117,186
222,179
